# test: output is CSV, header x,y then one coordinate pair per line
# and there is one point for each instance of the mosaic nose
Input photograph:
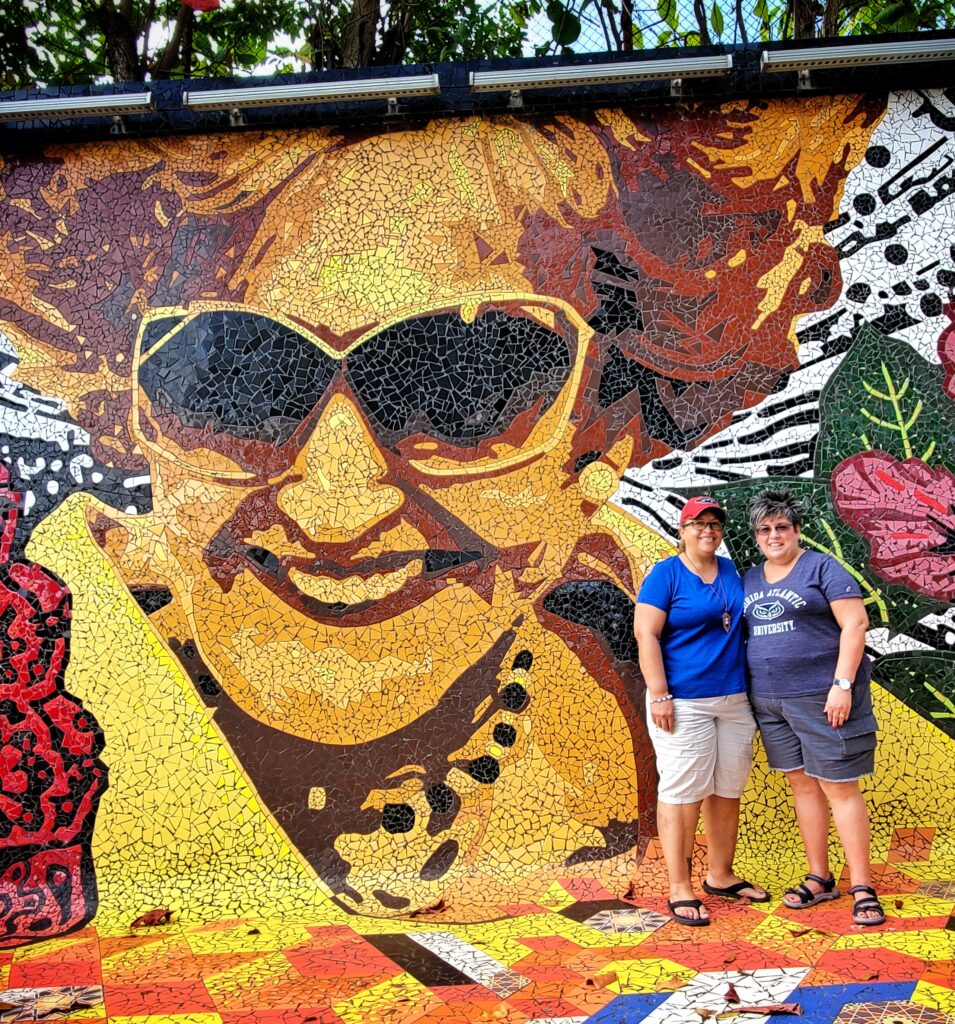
x,y
336,493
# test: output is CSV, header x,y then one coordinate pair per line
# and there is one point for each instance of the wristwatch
x,y
843,684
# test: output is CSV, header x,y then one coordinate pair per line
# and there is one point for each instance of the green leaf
x,y
716,18
667,9
565,25
923,680
867,405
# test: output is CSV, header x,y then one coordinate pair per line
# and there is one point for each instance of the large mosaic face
x,y
382,388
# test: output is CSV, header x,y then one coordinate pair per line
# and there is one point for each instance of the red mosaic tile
x,y
146,998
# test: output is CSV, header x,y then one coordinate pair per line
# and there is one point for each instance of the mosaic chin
x,y
384,388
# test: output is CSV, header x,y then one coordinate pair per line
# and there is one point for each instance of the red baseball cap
x,y
703,503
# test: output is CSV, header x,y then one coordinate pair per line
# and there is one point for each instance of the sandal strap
x,y
695,904
826,883
802,892
869,903
867,889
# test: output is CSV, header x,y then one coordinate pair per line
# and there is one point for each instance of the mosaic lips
x,y
384,586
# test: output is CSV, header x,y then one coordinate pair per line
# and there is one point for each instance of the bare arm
x,y
853,621
648,623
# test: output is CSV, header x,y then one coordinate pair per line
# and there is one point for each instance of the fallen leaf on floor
x,y
253,931
601,980
729,958
701,1011
629,894
899,904
668,984
731,995
796,932
870,976
789,1009
152,917
433,908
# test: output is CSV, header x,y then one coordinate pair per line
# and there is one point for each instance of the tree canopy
x,y
77,41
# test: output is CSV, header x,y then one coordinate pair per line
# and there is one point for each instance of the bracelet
x,y
661,700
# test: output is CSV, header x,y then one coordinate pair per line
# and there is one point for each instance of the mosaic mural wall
x,y
333,463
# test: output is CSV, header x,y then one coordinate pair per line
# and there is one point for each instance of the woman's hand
x,y
838,707
662,715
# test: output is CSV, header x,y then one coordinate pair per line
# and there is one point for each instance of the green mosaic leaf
x,y
885,397
925,681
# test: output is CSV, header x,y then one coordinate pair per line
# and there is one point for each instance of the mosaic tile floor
x,y
563,961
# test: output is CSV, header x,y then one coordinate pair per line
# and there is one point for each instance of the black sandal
x,y
690,922
808,898
735,892
871,902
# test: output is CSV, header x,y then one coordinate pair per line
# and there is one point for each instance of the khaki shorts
x,y
709,752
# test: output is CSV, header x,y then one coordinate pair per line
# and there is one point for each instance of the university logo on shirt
x,y
768,612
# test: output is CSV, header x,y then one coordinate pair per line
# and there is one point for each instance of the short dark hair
x,y
770,504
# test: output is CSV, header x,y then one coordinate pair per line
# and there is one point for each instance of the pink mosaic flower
x,y
202,5
946,350
906,511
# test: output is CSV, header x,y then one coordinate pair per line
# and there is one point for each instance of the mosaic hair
x,y
772,504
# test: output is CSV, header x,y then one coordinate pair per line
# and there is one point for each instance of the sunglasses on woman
x,y
231,393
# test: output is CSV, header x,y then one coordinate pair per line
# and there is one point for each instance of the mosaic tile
x,y
332,464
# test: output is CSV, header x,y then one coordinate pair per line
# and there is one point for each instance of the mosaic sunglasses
x,y
230,393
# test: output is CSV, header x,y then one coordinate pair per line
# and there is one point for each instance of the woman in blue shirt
x,y
689,628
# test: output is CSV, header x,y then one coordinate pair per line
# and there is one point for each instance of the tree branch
x,y
741,22
626,25
700,11
830,22
170,54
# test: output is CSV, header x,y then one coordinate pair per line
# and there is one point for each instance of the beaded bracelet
x,y
661,700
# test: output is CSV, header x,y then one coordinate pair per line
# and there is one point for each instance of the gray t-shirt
x,y
792,641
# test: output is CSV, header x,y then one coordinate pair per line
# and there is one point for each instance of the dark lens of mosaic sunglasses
x,y
456,381
233,374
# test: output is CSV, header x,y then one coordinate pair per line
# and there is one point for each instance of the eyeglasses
x,y
233,394
707,524
781,528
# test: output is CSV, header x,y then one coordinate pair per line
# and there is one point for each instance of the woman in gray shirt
x,y
809,681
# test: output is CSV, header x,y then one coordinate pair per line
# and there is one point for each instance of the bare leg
x,y
721,819
677,827
812,816
851,816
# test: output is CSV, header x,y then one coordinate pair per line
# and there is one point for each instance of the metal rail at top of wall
x,y
713,72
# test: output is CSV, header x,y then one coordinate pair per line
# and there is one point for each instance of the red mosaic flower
x,y
946,350
51,778
202,5
906,511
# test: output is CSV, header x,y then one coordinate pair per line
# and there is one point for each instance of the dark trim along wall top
x,y
865,64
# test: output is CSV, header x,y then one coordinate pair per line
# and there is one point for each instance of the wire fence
x,y
601,26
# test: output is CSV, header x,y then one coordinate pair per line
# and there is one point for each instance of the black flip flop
x,y
690,922
735,892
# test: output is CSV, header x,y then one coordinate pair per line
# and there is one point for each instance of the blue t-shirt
x,y
700,658
793,639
